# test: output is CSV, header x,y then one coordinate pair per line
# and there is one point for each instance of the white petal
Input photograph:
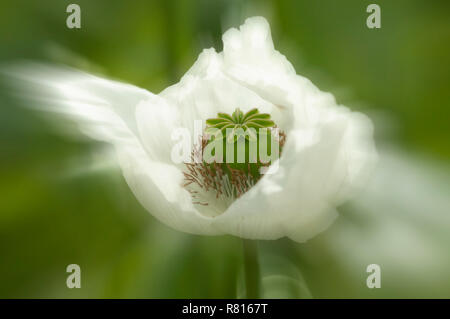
x,y
403,223
103,109
106,110
157,120
250,58
158,188
205,90
299,200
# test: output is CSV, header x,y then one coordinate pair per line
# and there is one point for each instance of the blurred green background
x,y
59,206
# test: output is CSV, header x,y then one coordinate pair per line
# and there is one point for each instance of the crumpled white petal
x,y
250,58
205,90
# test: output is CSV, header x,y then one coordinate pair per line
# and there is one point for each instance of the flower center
x,y
234,153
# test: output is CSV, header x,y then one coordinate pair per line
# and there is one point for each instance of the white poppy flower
x,y
328,151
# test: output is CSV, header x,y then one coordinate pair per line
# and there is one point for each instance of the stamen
x,y
226,185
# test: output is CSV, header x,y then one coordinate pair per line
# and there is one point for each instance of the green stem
x,y
251,268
